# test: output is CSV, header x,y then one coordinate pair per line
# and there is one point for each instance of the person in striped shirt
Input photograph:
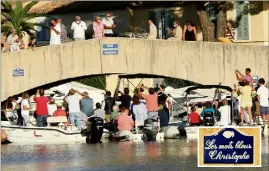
x,y
229,34
63,30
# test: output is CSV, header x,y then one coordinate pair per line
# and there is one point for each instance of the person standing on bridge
x,y
41,107
63,34
98,28
176,32
78,27
55,32
109,25
152,30
189,32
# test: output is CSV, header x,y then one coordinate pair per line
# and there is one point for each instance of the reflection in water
x,y
169,155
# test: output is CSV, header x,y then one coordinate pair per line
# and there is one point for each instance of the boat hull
x,y
193,131
19,134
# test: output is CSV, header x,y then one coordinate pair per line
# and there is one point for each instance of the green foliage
x,y
18,17
97,82
178,83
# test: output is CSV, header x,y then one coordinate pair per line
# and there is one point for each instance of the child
x,y
194,117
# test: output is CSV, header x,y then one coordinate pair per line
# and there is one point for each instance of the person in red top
x,y
41,107
194,117
125,122
151,101
59,111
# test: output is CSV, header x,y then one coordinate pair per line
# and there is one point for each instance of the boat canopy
x,y
208,87
139,75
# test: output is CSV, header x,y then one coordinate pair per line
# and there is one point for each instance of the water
x,y
171,155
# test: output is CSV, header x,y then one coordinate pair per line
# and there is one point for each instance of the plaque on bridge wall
x,y
18,72
110,49
229,147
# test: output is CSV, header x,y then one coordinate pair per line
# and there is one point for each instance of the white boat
x,y
50,134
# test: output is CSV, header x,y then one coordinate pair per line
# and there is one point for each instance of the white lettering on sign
x,y
215,155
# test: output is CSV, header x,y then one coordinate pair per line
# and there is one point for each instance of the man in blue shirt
x,y
86,104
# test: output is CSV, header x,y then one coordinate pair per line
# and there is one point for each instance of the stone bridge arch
x,y
201,62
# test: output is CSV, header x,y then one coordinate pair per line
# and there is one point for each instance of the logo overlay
x,y
229,147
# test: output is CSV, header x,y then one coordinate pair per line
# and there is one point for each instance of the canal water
x,y
174,155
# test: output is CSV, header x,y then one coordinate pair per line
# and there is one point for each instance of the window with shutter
x,y
242,14
169,18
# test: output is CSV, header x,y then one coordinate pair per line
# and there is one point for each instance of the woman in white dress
x,y
25,108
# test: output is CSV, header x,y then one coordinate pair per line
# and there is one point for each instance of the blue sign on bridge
x,y
110,49
18,72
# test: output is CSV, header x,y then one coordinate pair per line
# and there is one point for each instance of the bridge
x,y
201,62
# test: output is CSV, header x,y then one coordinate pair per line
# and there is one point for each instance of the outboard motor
x,y
94,130
150,130
209,119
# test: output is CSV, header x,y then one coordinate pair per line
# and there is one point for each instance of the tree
x,y
207,27
97,82
213,30
18,17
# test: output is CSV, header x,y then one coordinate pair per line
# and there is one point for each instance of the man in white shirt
x,y
73,101
78,27
55,33
263,98
108,25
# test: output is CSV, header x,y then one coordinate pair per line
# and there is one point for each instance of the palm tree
x,y
18,18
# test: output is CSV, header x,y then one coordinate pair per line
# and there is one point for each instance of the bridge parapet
x,y
201,62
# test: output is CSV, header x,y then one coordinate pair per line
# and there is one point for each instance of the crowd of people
x,y
78,107
135,110
247,97
105,28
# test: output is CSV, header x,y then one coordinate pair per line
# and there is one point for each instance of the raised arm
x,y
82,94
139,92
36,94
